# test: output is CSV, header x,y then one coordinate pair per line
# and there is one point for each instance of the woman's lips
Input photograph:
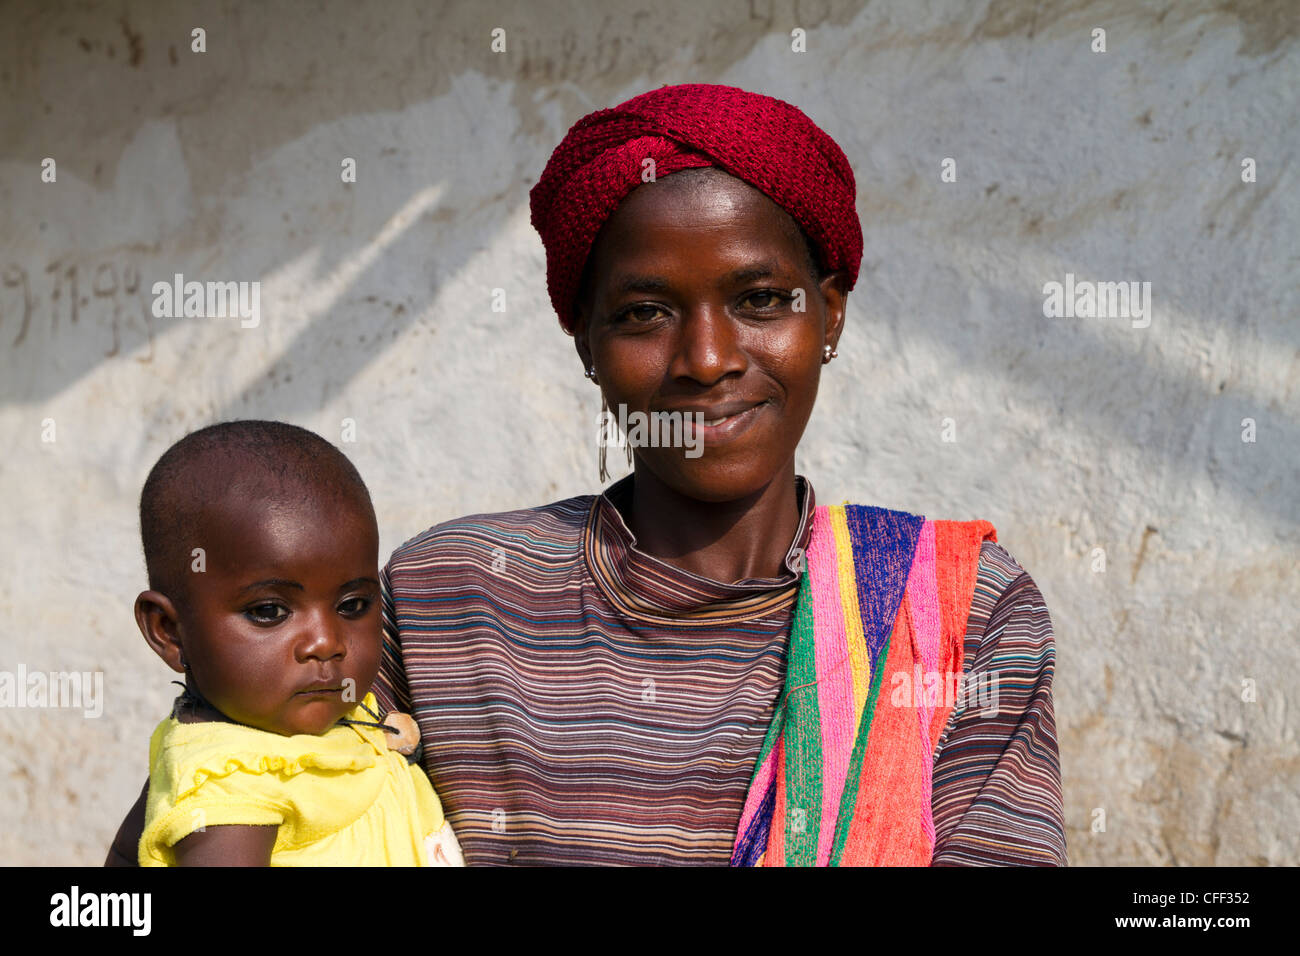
x,y
717,429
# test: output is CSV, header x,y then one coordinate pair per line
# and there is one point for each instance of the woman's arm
x,y
227,846
997,782
125,850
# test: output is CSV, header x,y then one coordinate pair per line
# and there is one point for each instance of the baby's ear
x,y
160,624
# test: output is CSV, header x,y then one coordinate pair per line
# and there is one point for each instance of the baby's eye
x,y
266,613
355,607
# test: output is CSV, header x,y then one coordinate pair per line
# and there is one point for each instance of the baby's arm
x,y
227,846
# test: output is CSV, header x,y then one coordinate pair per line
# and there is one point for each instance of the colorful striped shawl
x,y
844,775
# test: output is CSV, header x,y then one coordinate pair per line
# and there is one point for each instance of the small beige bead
x,y
407,737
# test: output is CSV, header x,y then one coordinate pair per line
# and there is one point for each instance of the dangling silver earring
x,y
604,427
602,440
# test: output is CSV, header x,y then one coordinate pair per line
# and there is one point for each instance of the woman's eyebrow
x,y
639,283
651,283
759,270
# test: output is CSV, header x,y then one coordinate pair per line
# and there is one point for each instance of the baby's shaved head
x,y
272,460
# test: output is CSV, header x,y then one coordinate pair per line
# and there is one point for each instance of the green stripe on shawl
x,y
850,798
803,738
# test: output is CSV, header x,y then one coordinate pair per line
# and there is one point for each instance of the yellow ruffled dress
x,y
341,798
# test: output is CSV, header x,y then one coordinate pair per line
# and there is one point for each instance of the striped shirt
x,y
582,702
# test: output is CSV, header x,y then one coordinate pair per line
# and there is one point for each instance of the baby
x,y
262,553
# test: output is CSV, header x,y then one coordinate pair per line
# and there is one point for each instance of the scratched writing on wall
x,y
98,301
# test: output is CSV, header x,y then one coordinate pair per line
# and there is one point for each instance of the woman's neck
x,y
725,541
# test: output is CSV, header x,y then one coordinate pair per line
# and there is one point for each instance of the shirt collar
x,y
647,588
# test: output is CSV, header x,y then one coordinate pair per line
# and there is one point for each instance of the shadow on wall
x,y
66,314
266,83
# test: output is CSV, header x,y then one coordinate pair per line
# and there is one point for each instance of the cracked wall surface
x,y
1110,457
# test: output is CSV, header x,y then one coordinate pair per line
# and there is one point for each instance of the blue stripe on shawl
x,y
754,842
884,544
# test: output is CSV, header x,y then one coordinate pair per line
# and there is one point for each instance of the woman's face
x,y
701,298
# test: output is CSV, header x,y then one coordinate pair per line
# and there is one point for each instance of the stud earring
x,y
829,353
591,373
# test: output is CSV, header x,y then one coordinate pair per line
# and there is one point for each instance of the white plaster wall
x,y
1071,434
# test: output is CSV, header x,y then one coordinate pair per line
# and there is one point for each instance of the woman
x,y
700,665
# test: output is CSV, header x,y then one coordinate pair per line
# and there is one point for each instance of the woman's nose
x,y
708,346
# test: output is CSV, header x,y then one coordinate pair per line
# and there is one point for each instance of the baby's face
x,y
283,629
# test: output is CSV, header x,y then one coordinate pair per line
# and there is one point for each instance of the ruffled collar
x,y
645,588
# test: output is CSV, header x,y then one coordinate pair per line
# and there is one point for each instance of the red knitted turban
x,y
766,142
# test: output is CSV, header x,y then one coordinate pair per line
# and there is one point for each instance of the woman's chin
x,y
716,478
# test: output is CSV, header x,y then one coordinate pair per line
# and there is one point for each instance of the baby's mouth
x,y
320,689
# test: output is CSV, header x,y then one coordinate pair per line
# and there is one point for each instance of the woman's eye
x,y
266,613
644,312
763,299
354,607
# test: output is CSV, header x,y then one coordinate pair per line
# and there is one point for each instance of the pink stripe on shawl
x,y
774,855
757,790
834,676
923,600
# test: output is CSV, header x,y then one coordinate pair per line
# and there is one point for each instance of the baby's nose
x,y
323,640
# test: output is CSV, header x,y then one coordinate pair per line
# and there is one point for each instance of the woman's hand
x,y
125,850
